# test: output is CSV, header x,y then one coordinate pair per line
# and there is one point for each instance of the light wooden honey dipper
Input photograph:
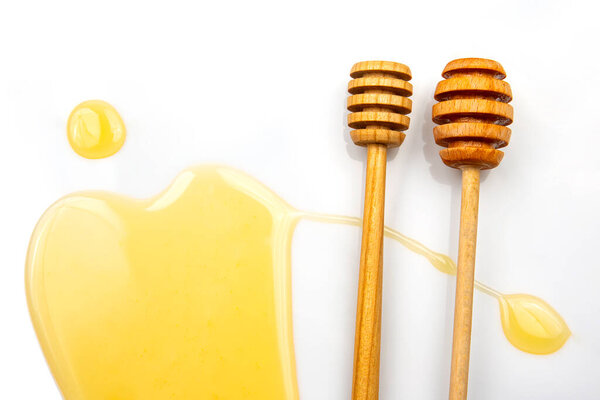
x,y
379,104
472,114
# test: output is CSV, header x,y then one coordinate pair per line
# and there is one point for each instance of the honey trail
x,y
529,323
188,294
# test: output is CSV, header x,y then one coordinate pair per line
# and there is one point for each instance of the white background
x,y
261,86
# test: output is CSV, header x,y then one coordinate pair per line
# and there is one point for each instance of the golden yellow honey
x,y
187,295
95,129
183,296
531,324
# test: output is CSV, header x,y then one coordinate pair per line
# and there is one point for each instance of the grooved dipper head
x,y
472,113
379,103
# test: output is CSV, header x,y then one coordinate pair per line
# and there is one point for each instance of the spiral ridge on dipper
x,y
379,102
472,113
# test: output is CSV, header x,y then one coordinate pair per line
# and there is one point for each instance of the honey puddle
x,y
95,129
187,295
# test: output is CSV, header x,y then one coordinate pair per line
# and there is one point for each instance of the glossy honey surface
x,y
183,296
531,324
95,129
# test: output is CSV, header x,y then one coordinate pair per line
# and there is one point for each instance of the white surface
x,y
260,85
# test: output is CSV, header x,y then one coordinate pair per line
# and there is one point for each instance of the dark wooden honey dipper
x,y
472,114
379,104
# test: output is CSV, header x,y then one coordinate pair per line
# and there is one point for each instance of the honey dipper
x,y
472,114
378,104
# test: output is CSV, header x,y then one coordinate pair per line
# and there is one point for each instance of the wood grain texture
x,y
465,276
368,312
472,114
378,106
379,102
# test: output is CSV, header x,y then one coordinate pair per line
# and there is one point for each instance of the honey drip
x,y
187,295
529,323
95,129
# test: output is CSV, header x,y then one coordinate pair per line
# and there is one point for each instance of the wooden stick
x,y
473,112
379,105
465,277
368,312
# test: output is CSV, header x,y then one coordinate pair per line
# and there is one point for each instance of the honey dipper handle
x,y
463,308
365,382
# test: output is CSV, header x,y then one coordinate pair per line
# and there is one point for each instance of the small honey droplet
x,y
95,129
531,324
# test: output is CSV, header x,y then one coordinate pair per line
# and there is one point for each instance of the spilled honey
x,y
183,296
95,129
187,295
529,323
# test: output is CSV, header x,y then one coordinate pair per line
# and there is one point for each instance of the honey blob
x,y
183,296
531,324
95,129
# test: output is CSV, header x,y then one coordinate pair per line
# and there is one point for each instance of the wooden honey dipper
x,y
472,114
379,104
